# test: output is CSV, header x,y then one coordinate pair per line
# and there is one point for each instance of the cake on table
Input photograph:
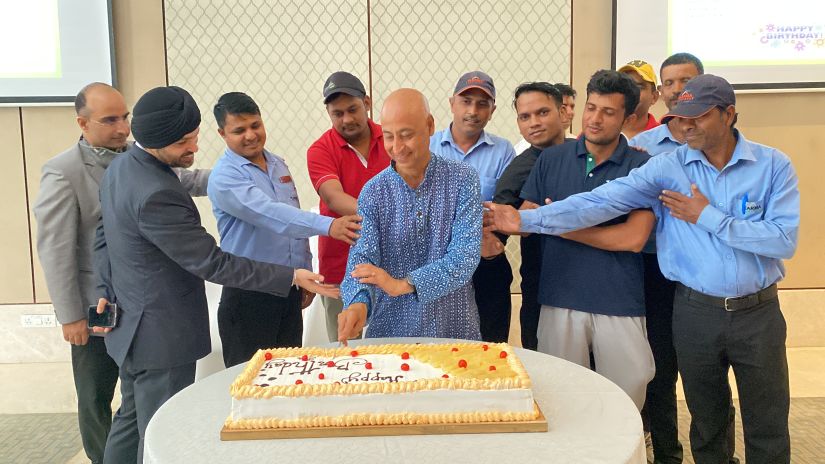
x,y
461,383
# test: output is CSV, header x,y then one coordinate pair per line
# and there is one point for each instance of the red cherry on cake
x,y
492,368
304,358
405,355
368,365
321,376
454,349
502,355
446,376
485,347
353,353
299,382
405,367
267,356
330,363
462,363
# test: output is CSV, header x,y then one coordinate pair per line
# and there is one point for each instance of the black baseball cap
x,y
343,82
702,94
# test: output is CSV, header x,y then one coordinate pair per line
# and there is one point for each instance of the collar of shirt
x,y
433,161
741,152
617,157
447,138
375,135
238,160
661,133
656,141
100,155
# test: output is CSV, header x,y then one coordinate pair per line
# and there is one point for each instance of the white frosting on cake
x,y
421,402
344,369
451,384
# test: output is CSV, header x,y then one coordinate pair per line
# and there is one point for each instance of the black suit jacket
x,y
152,256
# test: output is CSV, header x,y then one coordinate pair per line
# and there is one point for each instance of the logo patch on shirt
x,y
750,206
285,179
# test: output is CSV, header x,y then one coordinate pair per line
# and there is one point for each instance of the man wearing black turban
x,y
151,258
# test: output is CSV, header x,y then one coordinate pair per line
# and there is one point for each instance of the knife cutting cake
x,y
381,385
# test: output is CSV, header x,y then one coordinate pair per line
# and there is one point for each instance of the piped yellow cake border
x,y
381,419
242,387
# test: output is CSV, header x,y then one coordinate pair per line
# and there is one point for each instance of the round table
x,y
590,420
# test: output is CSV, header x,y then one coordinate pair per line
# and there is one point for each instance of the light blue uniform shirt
x,y
655,141
489,156
258,213
736,247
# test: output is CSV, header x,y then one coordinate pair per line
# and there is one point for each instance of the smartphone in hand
x,y
108,319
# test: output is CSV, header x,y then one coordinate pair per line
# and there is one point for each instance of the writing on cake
x,y
343,370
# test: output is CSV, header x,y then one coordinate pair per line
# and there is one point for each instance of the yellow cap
x,y
643,68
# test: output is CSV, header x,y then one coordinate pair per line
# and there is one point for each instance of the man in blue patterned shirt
x,y
409,273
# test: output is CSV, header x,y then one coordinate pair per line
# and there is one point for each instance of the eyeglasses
x,y
111,120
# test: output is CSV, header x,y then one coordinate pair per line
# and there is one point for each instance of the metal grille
x,y
278,52
281,51
428,45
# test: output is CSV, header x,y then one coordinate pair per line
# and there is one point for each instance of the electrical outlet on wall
x,y
38,320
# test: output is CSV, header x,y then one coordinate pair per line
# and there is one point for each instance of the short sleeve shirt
x,y
489,156
331,157
571,271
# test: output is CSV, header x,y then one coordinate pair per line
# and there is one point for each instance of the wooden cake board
x,y
537,425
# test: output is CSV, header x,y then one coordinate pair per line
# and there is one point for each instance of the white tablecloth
x,y
590,421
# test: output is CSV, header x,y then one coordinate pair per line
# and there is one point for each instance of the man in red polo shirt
x,y
340,162
642,74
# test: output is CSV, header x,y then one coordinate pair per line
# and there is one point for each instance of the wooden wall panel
x,y
15,271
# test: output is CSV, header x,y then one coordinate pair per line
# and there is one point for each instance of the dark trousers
x,y
492,281
95,377
249,321
142,392
660,403
530,274
709,341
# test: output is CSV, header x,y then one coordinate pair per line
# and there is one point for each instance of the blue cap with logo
x,y
476,80
702,94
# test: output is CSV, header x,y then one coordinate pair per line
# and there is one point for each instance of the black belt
x,y
729,304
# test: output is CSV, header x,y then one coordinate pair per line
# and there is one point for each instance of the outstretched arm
x,y
630,235
237,195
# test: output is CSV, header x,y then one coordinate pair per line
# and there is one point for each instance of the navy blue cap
x,y
702,94
476,80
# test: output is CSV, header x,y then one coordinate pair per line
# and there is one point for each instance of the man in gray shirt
x,y
67,211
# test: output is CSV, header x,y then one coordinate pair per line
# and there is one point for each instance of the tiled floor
x,y
38,438
807,435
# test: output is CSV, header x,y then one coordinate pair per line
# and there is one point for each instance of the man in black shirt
x,y
540,122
